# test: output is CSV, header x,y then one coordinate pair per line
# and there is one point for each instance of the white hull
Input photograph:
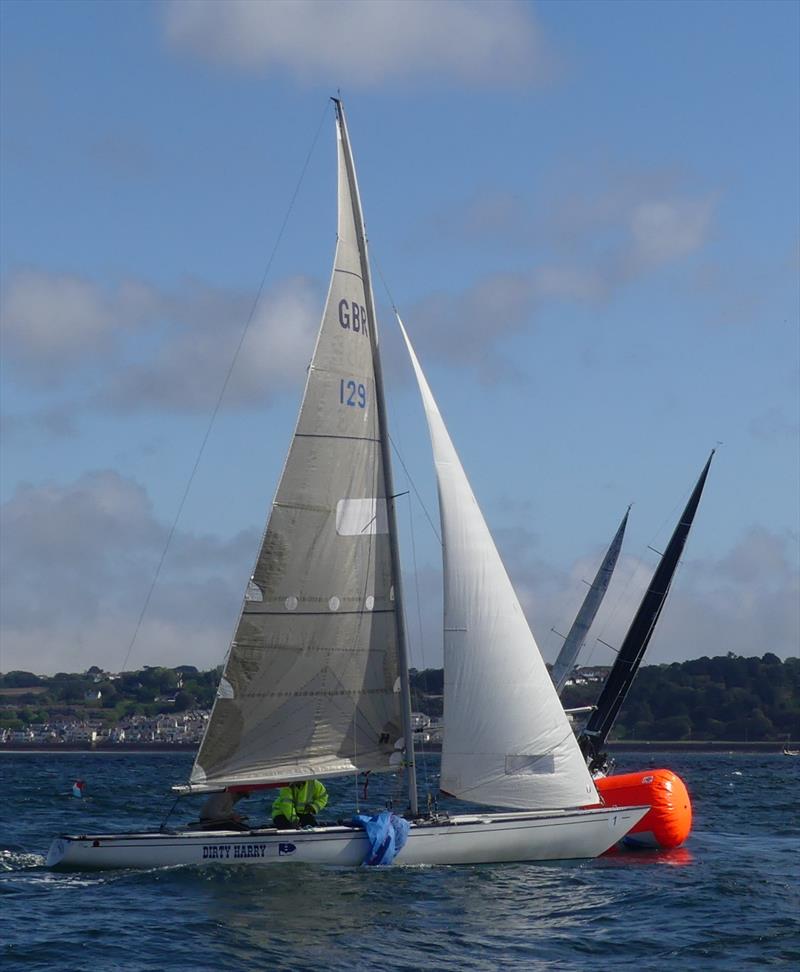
x,y
475,839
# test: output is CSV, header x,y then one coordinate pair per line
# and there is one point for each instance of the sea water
x,y
728,900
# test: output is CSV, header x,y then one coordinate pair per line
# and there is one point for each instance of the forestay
x,y
507,740
310,686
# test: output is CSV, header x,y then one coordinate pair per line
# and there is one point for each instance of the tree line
x,y
723,698
99,695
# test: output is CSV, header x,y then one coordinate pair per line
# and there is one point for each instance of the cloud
x,y
488,214
596,244
633,227
76,563
44,424
55,322
362,44
663,230
746,601
595,235
78,558
187,371
137,347
467,327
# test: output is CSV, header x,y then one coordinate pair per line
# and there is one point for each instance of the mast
x,y
576,637
405,684
630,656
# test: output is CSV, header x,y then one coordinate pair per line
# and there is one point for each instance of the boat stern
x,y
57,851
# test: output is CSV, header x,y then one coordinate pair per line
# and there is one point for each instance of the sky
x,y
588,215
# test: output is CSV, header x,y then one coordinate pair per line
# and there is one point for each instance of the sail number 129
x,y
353,394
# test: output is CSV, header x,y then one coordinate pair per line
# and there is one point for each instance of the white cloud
x,y
596,244
364,42
633,226
663,230
747,601
54,322
135,346
76,562
592,237
188,369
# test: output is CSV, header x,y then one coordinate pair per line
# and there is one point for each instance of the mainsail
x,y
507,741
576,637
630,656
311,685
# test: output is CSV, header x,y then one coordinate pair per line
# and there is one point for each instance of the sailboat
x,y
787,748
631,653
669,820
576,636
316,681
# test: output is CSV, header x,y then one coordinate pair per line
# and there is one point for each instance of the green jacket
x,y
307,796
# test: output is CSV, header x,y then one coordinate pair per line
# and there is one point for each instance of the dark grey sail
x,y
620,678
576,637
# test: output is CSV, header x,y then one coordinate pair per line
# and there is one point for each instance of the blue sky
x,y
587,213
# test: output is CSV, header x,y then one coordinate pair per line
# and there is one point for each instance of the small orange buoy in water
x,y
668,821
77,788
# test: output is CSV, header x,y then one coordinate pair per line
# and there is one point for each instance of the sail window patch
x,y
369,603
225,689
333,604
253,592
291,603
541,764
361,517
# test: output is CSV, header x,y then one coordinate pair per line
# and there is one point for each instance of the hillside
x,y
723,698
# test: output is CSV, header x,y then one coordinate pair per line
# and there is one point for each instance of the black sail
x,y
630,656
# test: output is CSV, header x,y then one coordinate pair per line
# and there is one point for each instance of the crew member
x,y
298,804
218,812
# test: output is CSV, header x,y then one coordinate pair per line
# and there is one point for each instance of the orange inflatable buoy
x,y
668,821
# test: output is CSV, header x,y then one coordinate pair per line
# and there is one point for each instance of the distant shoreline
x,y
631,746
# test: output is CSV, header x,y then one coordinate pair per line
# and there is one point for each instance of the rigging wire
x,y
225,383
409,479
413,485
423,751
391,440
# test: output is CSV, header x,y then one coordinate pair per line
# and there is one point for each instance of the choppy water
x,y
727,901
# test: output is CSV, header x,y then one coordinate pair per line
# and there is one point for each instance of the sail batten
x,y
507,740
